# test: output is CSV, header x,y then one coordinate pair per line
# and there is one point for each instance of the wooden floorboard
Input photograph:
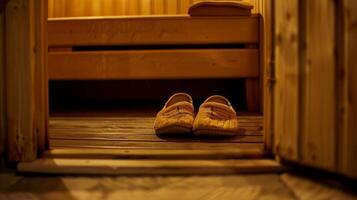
x,y
248,186
149,167
235,187
156,154
152,145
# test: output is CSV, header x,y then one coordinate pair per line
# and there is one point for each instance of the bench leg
x,y
252,94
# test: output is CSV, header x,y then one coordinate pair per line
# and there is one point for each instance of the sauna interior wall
x,y
79,8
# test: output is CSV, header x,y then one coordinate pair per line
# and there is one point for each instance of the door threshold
x,y
83,166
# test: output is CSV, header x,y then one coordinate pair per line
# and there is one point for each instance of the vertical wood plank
x,y
40,76
347,146
22,143
107,7
286,87
121,9
51,8
158,7
2,84
185,4
96,8
352,90
133,8
25,80
267,73
60,8
171,7
145,7
318,123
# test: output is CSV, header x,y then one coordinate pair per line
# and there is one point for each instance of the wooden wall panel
x,y
2,84
20,98
25,78
317,137
266,71
304,93
348,88
351,141
41,74
79,8
286,89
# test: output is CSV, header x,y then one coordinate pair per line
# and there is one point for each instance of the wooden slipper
x,y
216,117
176,117
220,8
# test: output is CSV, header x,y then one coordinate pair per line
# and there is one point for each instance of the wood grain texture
x,y
305,188
151,30
267,72
154,64
156,154
2,84
41,74
149,167
22,140
117,144
352,90
317,137
323,89
145,187
79,8
248,186
286,87
137,133
347,146
25,78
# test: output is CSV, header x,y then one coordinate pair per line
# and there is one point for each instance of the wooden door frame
x,y
26,78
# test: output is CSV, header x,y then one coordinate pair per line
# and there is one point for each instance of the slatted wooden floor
x,y
128,145
132,132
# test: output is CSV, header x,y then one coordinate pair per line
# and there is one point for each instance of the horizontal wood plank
x,y
154,64
122,126
117,144
149,167
130,137
153,153
151,30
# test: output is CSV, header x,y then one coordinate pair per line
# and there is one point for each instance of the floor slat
x,y
153,153
149,167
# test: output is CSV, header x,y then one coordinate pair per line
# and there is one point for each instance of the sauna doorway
x,y
110,75
78,50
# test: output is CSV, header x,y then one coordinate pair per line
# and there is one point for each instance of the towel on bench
x,y
220,8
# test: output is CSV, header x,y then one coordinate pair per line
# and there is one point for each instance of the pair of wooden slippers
x,y
216,117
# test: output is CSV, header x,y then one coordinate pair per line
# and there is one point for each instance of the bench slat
x,y
154,64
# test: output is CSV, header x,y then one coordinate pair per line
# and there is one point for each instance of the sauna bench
x,y
157,47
